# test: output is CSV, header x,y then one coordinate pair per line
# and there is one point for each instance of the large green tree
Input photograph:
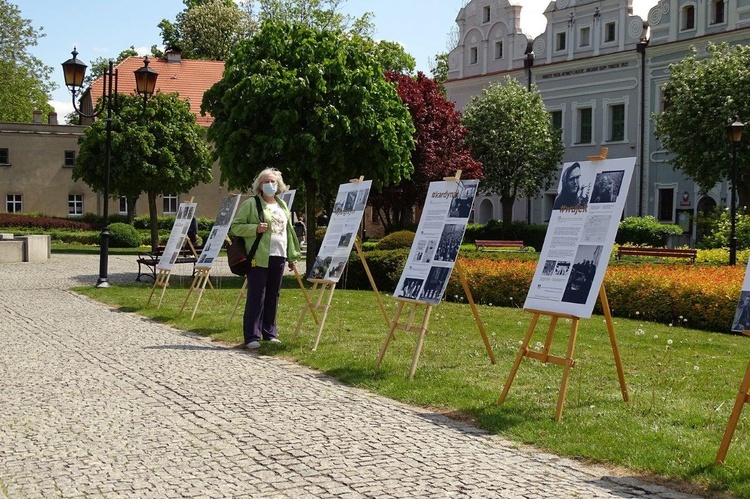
x,y
314,104
161,152
319,14
512,136
440,149
701,98
25,84
207,29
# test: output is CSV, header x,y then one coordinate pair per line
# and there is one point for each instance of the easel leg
x,y
740,401
613,341
243,292
330,288
390,336
519,358
420,342
470,298
308,306
569,363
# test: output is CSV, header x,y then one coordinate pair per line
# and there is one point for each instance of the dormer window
x,y
584,37
486,14
610,32
718,11
688,17
498,50
560,40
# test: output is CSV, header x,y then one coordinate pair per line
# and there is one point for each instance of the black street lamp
x,y
734,131
145,80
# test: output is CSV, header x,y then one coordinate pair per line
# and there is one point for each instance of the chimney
x,y
173,55
53,118
37,117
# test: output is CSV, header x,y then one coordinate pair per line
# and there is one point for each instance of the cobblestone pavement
x,y
99,403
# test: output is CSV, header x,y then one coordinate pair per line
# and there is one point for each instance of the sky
x,y
104,28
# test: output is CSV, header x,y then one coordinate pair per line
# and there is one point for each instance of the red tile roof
x,y
188,77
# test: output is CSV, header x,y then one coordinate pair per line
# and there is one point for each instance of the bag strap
x,y
254,248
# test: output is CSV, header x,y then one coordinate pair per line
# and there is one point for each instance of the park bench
x,y
147,262
657,252
489,245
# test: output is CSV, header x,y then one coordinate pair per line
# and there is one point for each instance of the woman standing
x,y
274,250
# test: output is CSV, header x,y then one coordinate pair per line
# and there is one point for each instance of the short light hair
x,y
282,187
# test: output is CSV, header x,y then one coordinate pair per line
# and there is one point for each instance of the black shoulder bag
x,y
241,261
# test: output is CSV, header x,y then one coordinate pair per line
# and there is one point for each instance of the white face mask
x,y
269,189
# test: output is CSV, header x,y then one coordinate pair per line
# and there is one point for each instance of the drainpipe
x,y
528,63
641,48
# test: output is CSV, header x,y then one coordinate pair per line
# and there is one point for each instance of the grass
x,y
682,382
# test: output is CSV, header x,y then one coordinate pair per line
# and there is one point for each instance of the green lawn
x,y
682,382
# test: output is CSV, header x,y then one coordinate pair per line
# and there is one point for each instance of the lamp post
x,y
145,80
734,131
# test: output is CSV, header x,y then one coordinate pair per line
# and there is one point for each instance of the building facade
x,y
600,70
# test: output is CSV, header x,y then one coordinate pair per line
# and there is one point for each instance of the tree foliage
x,y
440,149
207,29
702,97
512,136
25,84
319,14
163,152
314,104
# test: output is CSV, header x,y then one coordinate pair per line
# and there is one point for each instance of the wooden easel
x,y
422,329
162,276
322,287
567,362
743,397
201,278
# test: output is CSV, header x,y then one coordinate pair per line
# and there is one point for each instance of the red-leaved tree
x,y
440,150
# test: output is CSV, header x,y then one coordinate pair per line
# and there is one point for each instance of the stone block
x,y
36,248
4,236
11,251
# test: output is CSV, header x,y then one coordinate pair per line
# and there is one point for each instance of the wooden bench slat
x,y
657,252
151,259
482,244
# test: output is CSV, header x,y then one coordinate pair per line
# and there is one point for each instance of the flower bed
x,y
696,296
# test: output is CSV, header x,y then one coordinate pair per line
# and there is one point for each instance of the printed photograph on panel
x,y
450,242
435,283
607,187
461,204
582,274
410,288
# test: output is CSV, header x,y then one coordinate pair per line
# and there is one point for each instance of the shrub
x,y
531,234
41,222
320,233
719,229
124,236
385,268
645,231
396,240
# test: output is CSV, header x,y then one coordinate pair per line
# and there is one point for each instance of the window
x,y
718,11
666,205
556,119
473,55
123,205
498,50
70,158
4,156
170,203
584,37
617,122
486,14
610,32
688,17
75,204
585,125
13,203
560,41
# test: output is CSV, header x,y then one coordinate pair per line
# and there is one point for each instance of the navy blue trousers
x,y
263,285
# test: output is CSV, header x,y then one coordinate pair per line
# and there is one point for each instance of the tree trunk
x,y
507,203
131,210
311,190
153,220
